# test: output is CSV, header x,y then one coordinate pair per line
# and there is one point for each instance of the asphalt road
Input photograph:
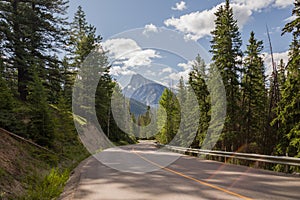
x,y
139,172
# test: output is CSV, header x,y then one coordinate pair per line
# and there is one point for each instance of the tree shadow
x,y
99,181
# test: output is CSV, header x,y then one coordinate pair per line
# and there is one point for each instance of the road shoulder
x,y
74,180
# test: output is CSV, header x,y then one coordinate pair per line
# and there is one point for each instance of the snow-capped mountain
x,y
144,90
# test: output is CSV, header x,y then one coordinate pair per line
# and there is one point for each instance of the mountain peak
x,y
143,90
138,79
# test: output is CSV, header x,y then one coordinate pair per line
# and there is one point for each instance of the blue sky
x,y
192,19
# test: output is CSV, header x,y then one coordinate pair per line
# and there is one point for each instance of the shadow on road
x,y
98,181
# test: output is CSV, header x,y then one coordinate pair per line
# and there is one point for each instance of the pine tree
x,y
181,95
41,128
63,129
6,105
83,38
281,75
31,30
143,121
254,97
54,82
88,57
183,136
169,106
104,93
68,75
225,47
81,42
217,111
188,123
197,80
288,111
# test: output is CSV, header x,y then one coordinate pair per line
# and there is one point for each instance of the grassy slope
x,y
24,169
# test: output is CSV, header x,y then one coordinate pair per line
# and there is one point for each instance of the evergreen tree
x,y
197,80
188,123
281,75
68,75
81,42
41,127
182,91
169,106
103,95
83,38
88,57
182,96
6,105
143,121
54,82
88,60
32,29
64,129
254,97
225,47
217,111
289,107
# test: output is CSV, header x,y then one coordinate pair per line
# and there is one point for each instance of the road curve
x,y
187,178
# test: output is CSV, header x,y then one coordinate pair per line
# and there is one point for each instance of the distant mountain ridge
x,y
143,91
149,94
136,82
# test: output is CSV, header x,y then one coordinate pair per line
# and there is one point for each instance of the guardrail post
x,y
286,169
254,160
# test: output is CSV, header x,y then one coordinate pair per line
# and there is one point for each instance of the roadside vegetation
x,y
41,53
263,112
36,84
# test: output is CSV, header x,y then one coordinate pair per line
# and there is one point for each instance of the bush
x,y
51,186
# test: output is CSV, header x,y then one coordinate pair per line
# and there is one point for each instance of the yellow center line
x,y
193,179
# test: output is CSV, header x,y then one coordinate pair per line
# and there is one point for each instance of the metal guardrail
x,y
284,160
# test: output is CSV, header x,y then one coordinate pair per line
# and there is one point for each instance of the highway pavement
x,y
140,172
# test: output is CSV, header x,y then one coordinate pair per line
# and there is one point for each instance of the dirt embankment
x,y
17,166
11,152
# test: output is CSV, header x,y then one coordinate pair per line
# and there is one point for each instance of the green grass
x,y
50,187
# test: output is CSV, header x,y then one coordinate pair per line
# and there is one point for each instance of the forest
x,y
41,53
263,112
36,80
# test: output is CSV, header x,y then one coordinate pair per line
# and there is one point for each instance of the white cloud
x,y
120,47
242,13
186,69
283,3
178,75
141,58
277,58
254,5
127,52
186,66
195,25
167,70
180,6
199,24
117,71
150,28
